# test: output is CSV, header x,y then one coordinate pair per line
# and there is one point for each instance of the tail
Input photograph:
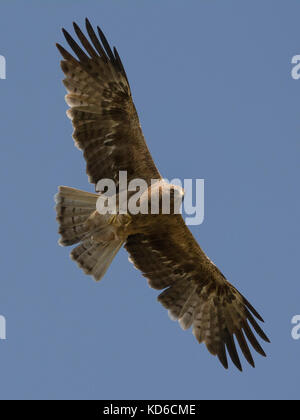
x,y
98,246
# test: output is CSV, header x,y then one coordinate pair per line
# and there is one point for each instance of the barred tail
x,y
73,208
97,246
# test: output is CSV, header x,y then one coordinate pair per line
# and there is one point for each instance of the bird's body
x,y
107,129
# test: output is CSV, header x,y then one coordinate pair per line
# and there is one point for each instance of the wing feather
x,y
195,291
105,121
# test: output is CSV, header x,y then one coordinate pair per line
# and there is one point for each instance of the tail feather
x,y
97,246
73,208
95,258
106,256
72,220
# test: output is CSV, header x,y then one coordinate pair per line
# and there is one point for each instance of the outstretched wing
x,y
197,294
106,125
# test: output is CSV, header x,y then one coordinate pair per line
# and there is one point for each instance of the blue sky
x,y
212,84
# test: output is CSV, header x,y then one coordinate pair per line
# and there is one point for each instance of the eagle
x,y
161,246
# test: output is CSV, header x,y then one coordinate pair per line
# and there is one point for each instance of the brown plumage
x,y
107,130
106,125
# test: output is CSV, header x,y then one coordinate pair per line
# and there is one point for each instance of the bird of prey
x,y
107,130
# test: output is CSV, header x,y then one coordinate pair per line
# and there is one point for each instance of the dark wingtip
x,y
252,309
106,44
238,365
262,353
75,26
223,361
250,360
88,25
65,32
74,46
65,54
60,48
100,31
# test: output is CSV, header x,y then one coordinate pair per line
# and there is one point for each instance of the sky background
x,y
212,84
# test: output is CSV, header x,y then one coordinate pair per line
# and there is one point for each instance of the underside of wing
x,y
196,292
106,125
